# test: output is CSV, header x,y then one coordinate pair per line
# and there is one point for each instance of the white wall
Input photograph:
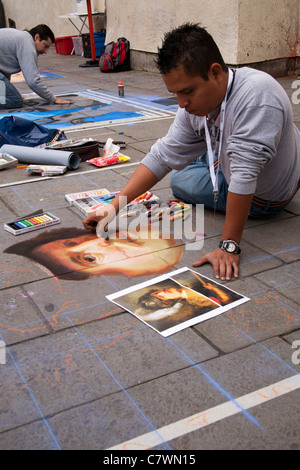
x,y
268,29
29,13
245,30
144,22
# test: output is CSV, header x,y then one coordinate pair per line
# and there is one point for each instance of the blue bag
x,y
19,131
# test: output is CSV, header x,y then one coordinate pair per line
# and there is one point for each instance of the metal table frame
x,y
82,17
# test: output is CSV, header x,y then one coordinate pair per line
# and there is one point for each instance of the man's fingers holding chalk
x,y
90,222
97,221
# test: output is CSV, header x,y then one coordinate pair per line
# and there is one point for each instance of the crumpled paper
x,y
110,149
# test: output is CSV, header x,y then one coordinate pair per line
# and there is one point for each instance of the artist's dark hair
x,y
193,47
44,31
25,248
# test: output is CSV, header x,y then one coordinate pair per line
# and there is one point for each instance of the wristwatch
x,y
230,246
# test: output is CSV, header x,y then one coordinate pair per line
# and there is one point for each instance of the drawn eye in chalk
x,y
89,258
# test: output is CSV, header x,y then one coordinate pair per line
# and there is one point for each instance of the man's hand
x,y
224,264
98,220
141,180
62,101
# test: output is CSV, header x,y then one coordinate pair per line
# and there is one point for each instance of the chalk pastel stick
x,y
178,216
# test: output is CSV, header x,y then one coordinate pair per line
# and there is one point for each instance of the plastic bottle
x,y
121,88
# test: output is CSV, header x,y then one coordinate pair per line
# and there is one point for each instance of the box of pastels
x,y
31,222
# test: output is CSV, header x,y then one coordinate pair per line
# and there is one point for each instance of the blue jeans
x,y
10,98
193,185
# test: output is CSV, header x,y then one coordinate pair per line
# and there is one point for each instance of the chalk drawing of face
x,y
91,256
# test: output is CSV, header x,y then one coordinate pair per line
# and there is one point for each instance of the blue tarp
x,y
18,131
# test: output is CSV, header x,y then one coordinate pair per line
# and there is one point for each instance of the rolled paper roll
x,y
43,156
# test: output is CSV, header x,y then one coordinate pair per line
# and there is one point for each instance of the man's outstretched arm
x,y
227,264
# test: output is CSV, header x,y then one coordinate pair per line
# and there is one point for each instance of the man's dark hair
x,y
44,31
193,47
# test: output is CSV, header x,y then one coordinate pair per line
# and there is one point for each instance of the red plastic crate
x,y
64,45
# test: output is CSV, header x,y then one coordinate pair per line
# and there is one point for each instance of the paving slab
x,y
96,425
280,238
34,436
285,280
51,372
20,319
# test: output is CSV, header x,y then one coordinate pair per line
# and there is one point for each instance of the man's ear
x,y
216,72
37,37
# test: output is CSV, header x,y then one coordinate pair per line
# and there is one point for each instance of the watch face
x,y
230,247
